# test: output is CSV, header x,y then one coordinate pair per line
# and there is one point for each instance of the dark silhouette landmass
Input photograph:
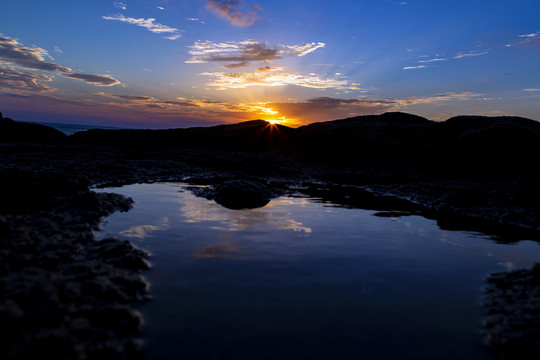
x,y
63,294
469,145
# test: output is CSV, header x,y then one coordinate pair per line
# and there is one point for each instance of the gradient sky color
x,y
174,63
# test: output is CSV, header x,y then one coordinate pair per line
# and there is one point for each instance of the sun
x,y
273,121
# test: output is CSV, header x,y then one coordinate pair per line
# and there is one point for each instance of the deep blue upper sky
x,y
175,63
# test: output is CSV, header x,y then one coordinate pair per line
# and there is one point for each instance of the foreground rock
x,y
64,294
513,313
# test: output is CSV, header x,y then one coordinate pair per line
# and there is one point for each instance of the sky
x,y
174,63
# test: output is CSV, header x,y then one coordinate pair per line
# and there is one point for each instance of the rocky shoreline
x,y
67,295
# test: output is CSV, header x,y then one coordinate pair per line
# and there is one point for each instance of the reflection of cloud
x,y
143,231
229,9
220,251
220,218
33,58
508,265
223,80
148,24
246,51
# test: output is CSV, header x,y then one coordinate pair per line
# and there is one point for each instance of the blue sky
x,y
156,64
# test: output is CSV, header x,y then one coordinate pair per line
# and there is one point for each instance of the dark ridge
x,y
386,119
463,146
256,135
13,131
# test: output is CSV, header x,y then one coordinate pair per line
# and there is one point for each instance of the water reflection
x,y
223,219
143,231
305,279
224,250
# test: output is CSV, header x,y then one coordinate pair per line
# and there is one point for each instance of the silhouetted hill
x,y
463,145
256,135
392,135
11,131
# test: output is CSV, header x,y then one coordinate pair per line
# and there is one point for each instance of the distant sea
x,y
70,129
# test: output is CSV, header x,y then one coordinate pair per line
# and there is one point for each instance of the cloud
x,y
99,80
460,55
149,101
532,35
196,19
236,65
229,9
33,58
120,5
302,50
328,108
414,67
531,90
22,82
432,60
246,51
472,53
268,68
223,80
529,40
148,24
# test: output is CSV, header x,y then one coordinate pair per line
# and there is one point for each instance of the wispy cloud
x,y
438,58
149,24
531,90
432,60
100,80
529,40
120,5
242,53
196,20
223,80
150,101
230,10
33,58
414,67
471,53
22,82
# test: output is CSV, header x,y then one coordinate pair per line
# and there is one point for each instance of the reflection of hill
x,y
475,144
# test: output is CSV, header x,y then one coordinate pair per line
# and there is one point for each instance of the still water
x,y
304,279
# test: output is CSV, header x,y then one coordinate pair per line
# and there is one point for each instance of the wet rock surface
x,y
61,292
513,313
